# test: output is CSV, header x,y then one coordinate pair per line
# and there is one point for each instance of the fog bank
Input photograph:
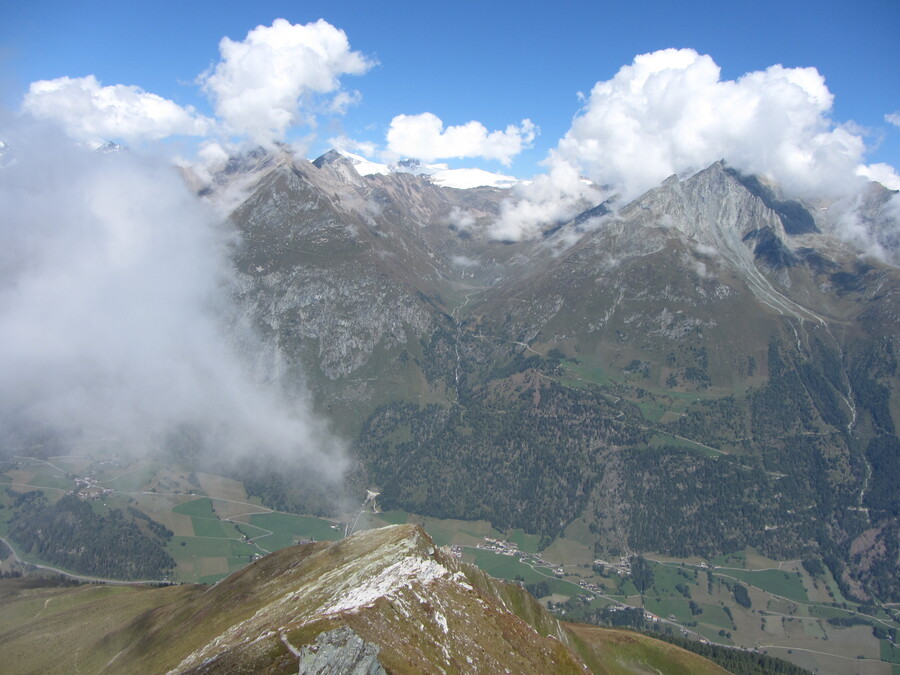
x,y
115,313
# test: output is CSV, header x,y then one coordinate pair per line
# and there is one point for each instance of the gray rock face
x,y
341,265
340,652
348,276
713,208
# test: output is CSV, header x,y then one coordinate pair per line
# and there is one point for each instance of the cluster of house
x,y
88,488
588,585
511,548
499,546
622,568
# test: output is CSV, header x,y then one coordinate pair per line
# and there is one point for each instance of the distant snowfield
x,y
471,178
365,167
440,174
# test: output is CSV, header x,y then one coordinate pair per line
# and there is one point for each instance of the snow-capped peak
x,y
471,178
363,166
440,173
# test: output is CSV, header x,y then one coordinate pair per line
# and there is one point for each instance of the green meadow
x,y
785,584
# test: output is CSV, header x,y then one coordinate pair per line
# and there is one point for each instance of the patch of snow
x,y
465,179
440,173
365,167
401,574
460,579
264,636
400,606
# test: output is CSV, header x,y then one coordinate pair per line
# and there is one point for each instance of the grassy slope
x,y
614,652
61,629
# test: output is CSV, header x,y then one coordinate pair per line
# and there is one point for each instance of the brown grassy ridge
x,y
608,651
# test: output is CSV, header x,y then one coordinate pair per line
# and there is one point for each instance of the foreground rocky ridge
x,y
393,588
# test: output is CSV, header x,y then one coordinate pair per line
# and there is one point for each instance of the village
x,y
622,568
89,489
511,548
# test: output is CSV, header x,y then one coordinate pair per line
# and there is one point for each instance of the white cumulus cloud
x,y
549,199
881,172
88,111
260,86
424,137
893,118
347,144
670,111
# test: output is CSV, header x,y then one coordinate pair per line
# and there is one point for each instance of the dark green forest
x,y
70,534
522,450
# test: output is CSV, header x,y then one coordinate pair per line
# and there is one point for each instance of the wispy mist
x,y
115,312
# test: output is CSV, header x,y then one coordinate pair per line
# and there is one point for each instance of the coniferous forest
x,y
70,534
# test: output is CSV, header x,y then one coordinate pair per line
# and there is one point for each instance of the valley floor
x,y
216,529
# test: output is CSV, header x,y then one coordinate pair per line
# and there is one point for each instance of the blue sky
x,y
497,63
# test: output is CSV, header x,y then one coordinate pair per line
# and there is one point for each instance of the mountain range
x,y
708,367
